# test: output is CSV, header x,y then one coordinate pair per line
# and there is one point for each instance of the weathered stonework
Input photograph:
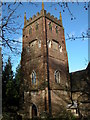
x,y
80,91
43,53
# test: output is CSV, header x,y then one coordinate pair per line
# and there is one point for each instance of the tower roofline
x,y
41,14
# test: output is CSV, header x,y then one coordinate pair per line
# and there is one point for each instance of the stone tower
x,y
45,80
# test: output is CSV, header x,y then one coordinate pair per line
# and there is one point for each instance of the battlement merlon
x,y
42,14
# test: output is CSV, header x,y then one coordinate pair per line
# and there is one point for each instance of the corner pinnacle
x,y
42,5
24,18
60,17
25,15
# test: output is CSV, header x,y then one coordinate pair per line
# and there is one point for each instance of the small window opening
x,y
56,29
39,43
60,48
33,77
49,43
57,76
30,30
50,26
36,26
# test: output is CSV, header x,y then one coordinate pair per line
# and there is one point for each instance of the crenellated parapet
x,y
42,14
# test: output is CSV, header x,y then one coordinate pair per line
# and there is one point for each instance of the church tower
x,y
44,63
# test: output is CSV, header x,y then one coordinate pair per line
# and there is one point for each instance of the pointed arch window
x,y
39,43
50,26
60,48
34,111
49,43
30,30
57,76
36,26
33,77
56,27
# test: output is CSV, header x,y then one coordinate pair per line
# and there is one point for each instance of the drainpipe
x,y
47,60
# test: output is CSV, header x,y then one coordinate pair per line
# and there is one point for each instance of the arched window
x,y
50,26
27,49
39,43
55,44
30,30
57,76
36,26
60,48
34,111
49,43
33,77
56,27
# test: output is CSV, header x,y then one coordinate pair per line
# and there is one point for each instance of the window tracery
x,y
50,26
56,29
36,26
39,43
57,76
60,48
49,43
33,77
30,30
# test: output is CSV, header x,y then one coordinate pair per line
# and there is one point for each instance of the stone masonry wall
x,y
34,58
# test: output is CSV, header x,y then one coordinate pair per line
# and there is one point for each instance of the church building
x,y
45,82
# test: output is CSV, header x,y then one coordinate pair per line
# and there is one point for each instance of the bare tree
x,y
9,26
63,6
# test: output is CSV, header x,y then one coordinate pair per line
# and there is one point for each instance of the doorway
x,y
34,111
